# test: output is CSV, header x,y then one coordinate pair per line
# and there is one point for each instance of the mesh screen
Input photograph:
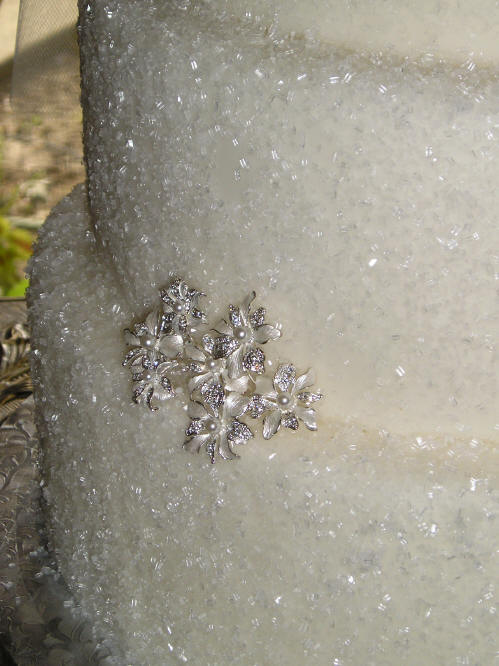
x,y
46,71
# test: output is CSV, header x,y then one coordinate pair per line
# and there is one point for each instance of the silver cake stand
x,y
39,621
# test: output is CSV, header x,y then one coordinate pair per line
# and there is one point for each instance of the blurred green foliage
x,y
15,247
15,250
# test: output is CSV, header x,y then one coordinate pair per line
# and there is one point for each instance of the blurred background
x,y
40,125
40,162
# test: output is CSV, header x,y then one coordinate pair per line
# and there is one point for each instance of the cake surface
x,y
357,195
345,544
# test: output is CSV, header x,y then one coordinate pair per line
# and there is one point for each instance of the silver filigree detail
x,y
181,314
222,373
208,369
239,335
286,402
257,406
149,343
218,432
156,382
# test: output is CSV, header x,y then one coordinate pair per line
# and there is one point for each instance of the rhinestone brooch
x,y
174,353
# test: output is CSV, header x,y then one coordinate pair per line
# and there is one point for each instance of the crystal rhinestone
x,y
194,428
256,406
167,385
213,395
240,432
284,377
208,343
254,361
289,421
308,397
224,346
197,314
258,317
235,316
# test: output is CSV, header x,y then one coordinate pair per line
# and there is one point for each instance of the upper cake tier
x,y
356,193
447,29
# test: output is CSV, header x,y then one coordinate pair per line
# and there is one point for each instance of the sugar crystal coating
x,y
363,216
359,196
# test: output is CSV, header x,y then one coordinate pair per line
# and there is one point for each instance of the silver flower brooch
x,y
219,372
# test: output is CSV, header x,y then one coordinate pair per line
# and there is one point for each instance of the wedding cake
x,y
265,334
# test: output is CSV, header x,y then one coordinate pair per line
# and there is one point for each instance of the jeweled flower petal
x,y
256,406
258,317
213,396
235,316
196,443
181,314
308,397
194,427
271,424
130,338
171,345
235,367
307,416
223,448
254,361
224,346
239,432
289,420
236,404
208,343
238,385
265,333
305,380
284,378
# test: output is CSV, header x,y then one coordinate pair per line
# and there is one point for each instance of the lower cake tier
x,y
347,545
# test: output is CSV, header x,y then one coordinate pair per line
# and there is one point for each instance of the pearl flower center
x,y
240,333
210,425
283,400
149,340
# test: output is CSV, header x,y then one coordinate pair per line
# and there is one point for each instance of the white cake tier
x,y
450,29
337,547
357,195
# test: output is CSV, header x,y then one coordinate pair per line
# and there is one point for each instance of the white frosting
x,y
357,195
451,29
338,545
